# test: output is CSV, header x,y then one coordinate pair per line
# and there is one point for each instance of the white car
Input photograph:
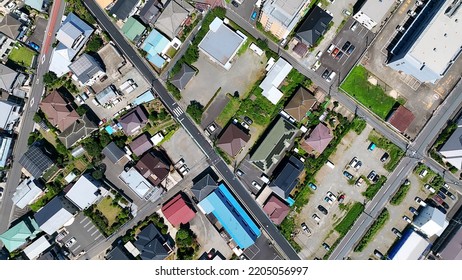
x,y
70,242
420,201
353,162
430,188
407,219
318,55
316,65
256,185
328,200
316,218
331,196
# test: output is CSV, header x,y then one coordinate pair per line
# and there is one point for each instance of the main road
x,y
236,186
27,123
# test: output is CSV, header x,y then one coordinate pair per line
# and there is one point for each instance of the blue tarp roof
x,y
156,59
143,98
154,44
222,204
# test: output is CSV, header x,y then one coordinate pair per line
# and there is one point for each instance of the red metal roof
x,y
177,211
276,209
401,118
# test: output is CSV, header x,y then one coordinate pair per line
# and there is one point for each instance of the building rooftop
x,y
287,179
401,118
284,11
10,26
78,130
203,187
182,78
37,247
173,16
452,149
6,144
141,144
55,214
85,68
35,4
58,111
318,140
377,9
302,102
154,45
411,246
133,121
122,9
453,249
150,242
35,161
314,26
84,192
145,97
232,140
26,192
133,29
104,3
227,210
276,209
9,116
154,167
106,95
113,152
221,43
273,80
178,211
22,232
431,221
136,182
7,77
150,11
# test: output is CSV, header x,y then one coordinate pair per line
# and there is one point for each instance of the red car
x,y
341,198
335,52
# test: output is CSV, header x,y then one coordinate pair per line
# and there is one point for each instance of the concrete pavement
x,y
27,123
235,185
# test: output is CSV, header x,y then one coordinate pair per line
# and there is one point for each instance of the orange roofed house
x,y
58,111
178,211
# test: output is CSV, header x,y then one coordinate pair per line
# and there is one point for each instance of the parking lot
x,y
342,60
262,250
85,233
333,180
182,146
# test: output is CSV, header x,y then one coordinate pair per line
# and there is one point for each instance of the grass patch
x,y
373,97
108,209
395,152
358,125
373,230
440,141
21,55
244,47
344,226
373,189
228,112
287,228
48,175
400,194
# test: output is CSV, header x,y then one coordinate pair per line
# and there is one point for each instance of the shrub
x,y
195,110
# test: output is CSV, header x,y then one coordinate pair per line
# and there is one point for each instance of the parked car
x,y
256,185
331,196
371,175
346,45
384,157
378,254
235,4
34,46
348,175
245,125
327,247
353,162
423,173
358,165
341,198
305,228
331,48
239,172
441,194
351,49
451,195
328,200
323,210
371,146
254,15
70,242
359,182
312,186
407,182
346,12
331,76
325,74
318,55
316,65
316,218
397,232
335,52
429,188
413,211
407,219
354,26
420,201
376,178
439,200
248,120
339,55
447,192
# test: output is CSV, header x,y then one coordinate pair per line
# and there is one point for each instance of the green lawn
x,y
344,226
109,211
373,97
228,112
21,55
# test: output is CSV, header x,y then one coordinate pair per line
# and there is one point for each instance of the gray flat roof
x,y
377,9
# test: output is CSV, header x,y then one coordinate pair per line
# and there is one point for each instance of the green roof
x,y
16,236
275,143
133,29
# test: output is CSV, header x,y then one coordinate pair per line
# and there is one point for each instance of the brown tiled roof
x,y
301,102
276,209
233,140
140,145
401,118
59,113
318,140
153,168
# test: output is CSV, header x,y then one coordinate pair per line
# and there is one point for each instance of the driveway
x,y
182,146
85,233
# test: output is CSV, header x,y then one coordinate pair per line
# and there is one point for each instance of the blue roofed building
x,y
155,45
35,4
221,205
5,149
146,97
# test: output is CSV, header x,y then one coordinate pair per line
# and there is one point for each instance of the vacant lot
x,y
22,56
371,96
109,211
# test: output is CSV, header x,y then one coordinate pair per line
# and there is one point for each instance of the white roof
x,y
135,181
70,177
60,60
431,221
84,192
413,248
8,115
157,138
376,9
273,80
26,193
36,248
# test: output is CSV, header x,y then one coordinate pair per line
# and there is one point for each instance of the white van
x,y
330,164
331,48
331,76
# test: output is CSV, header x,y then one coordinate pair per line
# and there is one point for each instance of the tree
x,y
94,44
81,110
37,118
195,110
49,78
97,174
92,147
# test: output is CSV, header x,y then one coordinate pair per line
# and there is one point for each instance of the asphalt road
x,y
27,123
236,186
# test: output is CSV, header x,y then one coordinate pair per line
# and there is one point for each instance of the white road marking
x,y
84,219
31,102
177,112
37,81
86,224
92,227
99,235
75,249
43,58
96,231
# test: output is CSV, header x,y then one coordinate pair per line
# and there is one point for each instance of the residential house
x,y
430,221
10,115
113,153
287,178
55,214
154,167
314,26
151,244
203,187
281,16
221,43
173,16
123,9
85,192
140,186
35,161
118,253
318,140
59,112
6,45
145,97
10,27
72,36
151,11
6,148
141,144
134,121
182,78
178,210
36,248
104,3
78,130
27,192
86,70
155,45
300,103
401,118
107,95
10,79
452,149
222,207
36,4
276,209
232,140
133,29
274,77
272,148
19,234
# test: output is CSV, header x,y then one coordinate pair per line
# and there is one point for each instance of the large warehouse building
x,y
431,42
412,246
